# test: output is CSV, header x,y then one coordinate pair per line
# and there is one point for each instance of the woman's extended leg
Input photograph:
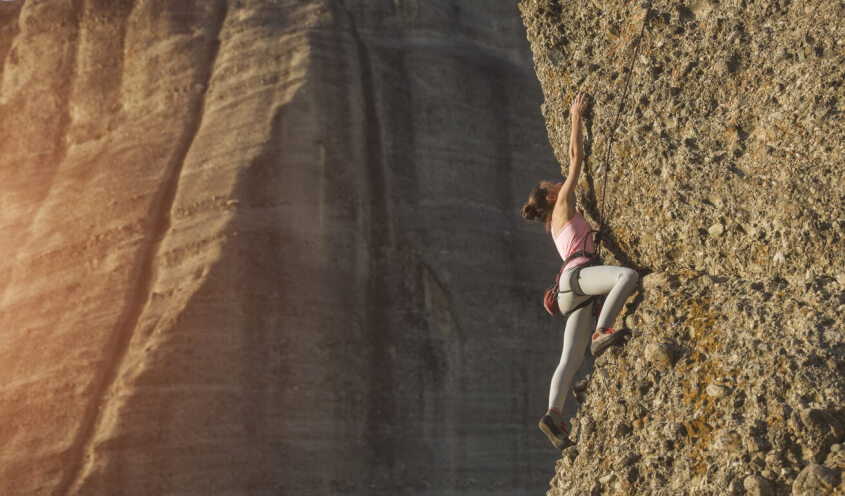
x,y
575,339
616,282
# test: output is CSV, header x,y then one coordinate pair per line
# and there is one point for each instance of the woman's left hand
x,y
579,105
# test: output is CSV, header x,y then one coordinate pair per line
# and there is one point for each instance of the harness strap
x,y
579,306
573,281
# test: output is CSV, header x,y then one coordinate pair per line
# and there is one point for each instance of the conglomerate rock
x,y
727,187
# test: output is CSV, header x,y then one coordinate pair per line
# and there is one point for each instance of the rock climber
x,y
553,204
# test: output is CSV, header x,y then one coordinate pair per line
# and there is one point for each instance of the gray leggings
x,y
617,283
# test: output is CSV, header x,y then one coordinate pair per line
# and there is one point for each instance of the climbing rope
x,y
615,125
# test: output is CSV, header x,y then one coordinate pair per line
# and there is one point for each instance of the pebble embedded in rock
x,y
815,479
642,128
780,55
757,443
728,440
569,454
659,354
717,391
716,230
655,280
757,485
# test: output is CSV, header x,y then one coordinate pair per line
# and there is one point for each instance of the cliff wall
x,y
726,188
260,247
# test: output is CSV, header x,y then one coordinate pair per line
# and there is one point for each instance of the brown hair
x,y
538,208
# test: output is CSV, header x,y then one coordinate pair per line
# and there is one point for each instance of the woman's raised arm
x,y
565,204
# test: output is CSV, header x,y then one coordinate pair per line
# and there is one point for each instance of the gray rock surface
x,y
257,247
726,192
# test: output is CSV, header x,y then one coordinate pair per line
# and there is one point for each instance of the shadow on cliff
x,y
592,207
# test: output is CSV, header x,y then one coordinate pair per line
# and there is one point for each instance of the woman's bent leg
x,y
575,340
616,282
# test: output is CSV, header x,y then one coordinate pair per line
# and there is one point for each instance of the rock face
x,y
726,187
259,247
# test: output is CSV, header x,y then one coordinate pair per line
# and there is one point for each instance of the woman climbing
x,y
553,204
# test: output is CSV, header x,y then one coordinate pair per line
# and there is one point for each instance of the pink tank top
x,y
571,239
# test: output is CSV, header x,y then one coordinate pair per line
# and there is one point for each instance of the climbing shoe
x,y
554,429
603,339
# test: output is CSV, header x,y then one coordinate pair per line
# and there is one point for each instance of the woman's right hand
x,y
579,105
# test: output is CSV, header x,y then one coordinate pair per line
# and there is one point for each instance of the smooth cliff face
x,y
270,248
726,187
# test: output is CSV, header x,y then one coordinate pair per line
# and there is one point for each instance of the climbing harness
x,y
550,299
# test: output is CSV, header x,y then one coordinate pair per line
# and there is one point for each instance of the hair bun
x,y
529,212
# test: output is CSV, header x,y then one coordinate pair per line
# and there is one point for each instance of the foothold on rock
x,y
757,485
815,479
569,455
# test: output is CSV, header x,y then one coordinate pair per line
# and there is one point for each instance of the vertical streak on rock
x,y
64,95
7,42
139,295
5,48
381,408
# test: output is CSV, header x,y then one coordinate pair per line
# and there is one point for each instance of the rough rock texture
x,y
257,247
727,185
